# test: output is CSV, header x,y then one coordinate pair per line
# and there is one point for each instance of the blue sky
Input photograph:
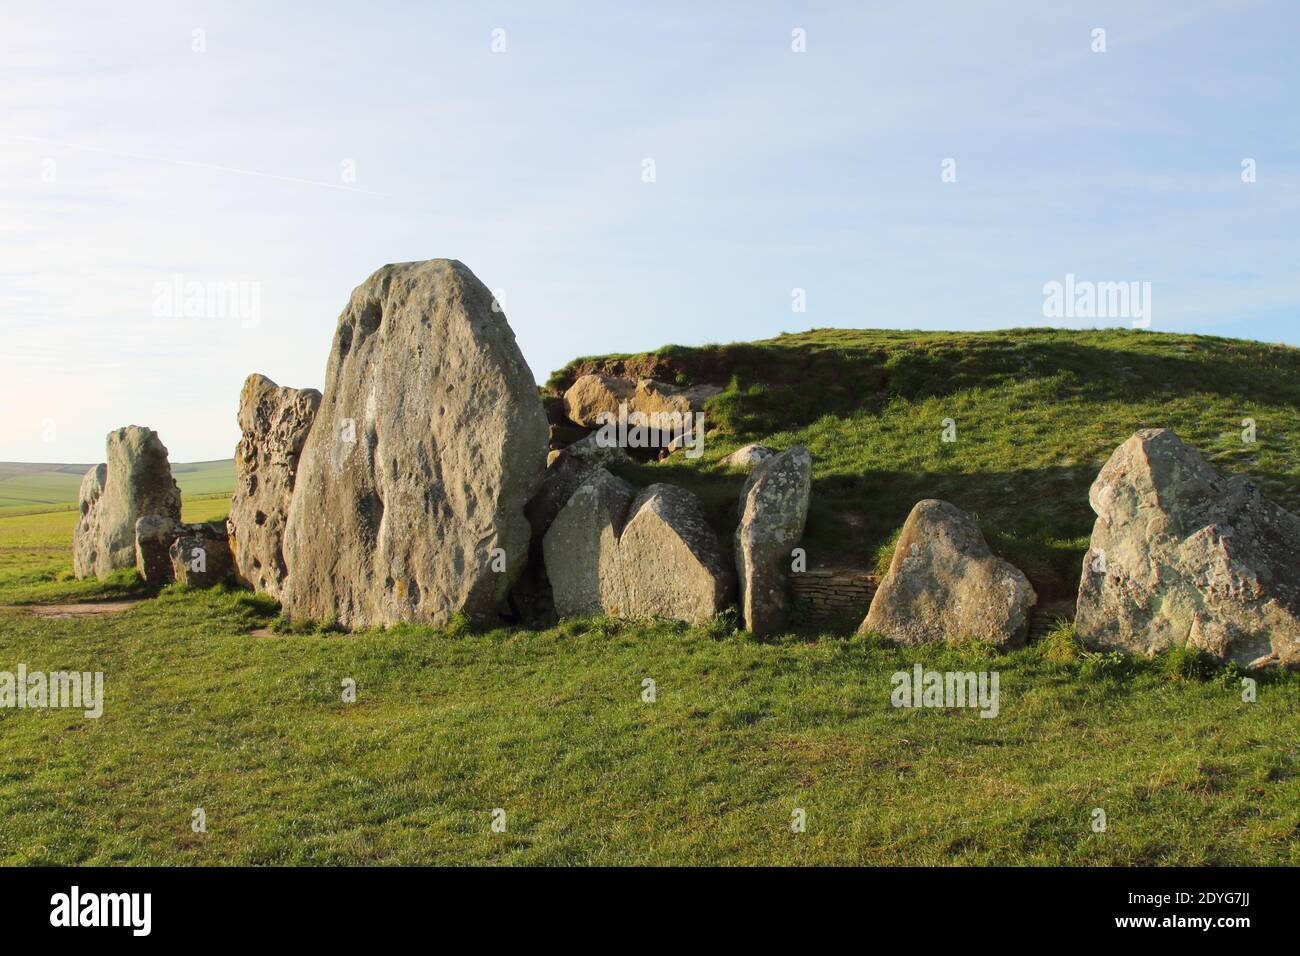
x,y
128,158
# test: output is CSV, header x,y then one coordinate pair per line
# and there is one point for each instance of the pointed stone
x,y
944,584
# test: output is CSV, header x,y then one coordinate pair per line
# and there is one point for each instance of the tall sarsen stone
x,y
430,439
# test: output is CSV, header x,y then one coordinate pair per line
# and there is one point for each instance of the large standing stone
x,y
1181,555
650,554
85,538
429,441
137,481
773,510
275,422
580,546
945,584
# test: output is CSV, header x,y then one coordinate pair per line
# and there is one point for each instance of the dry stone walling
x,y
275,422
136,481
1181,555
773,510
430,439
944,583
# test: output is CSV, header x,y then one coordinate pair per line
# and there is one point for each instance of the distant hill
x,y
1035,414
29,488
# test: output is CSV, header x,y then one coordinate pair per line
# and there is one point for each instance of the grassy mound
x,y
1036,414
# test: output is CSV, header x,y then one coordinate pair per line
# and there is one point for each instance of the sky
x,y
623,175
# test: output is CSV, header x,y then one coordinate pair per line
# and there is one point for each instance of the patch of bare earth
x,y
88,609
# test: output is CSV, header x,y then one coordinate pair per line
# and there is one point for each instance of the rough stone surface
x,y
137,481
652,396
591,450
200,556
634,554
580,547
563,476
429,441
590,395
85,539
154,535
671,564
748,456
1182,555
773,510
531,598
944,584
275,422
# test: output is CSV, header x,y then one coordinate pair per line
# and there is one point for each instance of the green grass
x,y
551,726
1037,413
36,556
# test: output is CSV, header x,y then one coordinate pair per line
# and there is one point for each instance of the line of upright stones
x,y
418,487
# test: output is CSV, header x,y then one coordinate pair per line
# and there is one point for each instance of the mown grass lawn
x,y
552,728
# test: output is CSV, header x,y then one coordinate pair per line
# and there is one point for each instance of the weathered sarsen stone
x,y
1181,555
275,422
136,481
200,556
670,561
580,546
590,396
748,456
85,538
773,511
658,397
430,439
944,583
531,599
630,554
591,450
563,476
154,535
